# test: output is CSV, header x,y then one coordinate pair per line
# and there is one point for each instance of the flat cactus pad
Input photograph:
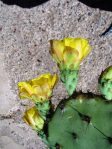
x,y
81,122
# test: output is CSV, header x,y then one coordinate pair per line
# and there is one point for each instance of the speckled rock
x,y
24,54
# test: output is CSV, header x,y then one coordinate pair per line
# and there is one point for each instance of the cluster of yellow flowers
x,y
68,53
38,90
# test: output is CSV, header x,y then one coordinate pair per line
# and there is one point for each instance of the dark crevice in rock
x,y
101,4
24,3
108,31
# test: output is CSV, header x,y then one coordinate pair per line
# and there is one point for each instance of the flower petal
x,y
57,48
54,80
25,89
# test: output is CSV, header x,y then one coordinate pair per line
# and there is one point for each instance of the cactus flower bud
x,y
33,119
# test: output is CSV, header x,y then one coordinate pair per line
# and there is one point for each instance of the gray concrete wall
x,y
24,54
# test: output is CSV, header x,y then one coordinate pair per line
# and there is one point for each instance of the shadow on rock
x,y
24,3
101,4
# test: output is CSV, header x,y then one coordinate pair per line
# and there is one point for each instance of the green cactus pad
x,y
105,83
81,122
69,78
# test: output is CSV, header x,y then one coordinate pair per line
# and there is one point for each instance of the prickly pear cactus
x,y
83,121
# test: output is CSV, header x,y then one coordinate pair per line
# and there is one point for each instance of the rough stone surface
x,y
24,54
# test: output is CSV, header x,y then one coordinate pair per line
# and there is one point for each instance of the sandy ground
x,y
24,54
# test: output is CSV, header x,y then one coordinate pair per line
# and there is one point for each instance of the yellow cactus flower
x,y
32,118
38,89
69,52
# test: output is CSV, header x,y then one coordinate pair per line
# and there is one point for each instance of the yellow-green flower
x,y
38,89
69,52
32,118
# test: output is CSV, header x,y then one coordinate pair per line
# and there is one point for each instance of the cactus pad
x,y
81,122
105,83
